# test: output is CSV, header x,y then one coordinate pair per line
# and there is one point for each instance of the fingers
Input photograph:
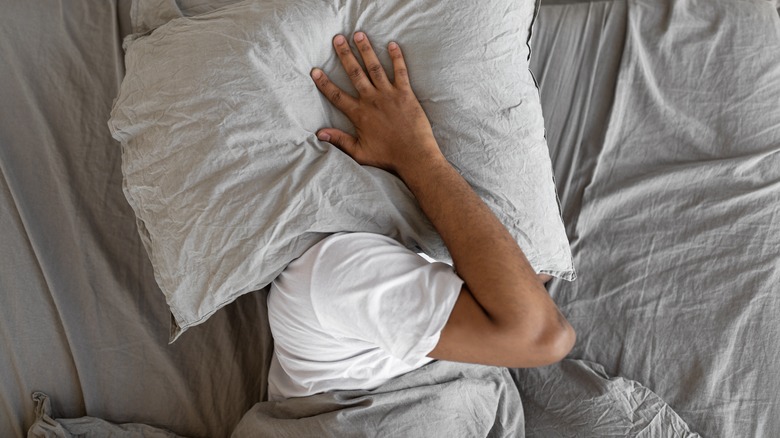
x,y
340,139
341,100
375,69
351,66
399,66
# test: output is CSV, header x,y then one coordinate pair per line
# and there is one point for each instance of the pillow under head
x,y
217,118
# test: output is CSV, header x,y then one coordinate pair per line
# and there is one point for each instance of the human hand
x,y
393,132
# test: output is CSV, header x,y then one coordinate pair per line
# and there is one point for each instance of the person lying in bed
x,y
358,309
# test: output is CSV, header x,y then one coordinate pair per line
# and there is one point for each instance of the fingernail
x,y
359,36
393,45
340,40
316,73
323,136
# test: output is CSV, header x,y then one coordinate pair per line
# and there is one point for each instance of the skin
x,y
503,315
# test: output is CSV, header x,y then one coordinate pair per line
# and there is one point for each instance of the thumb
x,y
340,139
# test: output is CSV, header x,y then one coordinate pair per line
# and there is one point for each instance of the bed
x,y
663,124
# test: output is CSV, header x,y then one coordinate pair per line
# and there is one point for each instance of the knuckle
x,y
361,118
376,69
401,72
344,51
335,96
355,72
406,98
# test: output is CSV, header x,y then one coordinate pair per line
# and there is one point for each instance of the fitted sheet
x,y
677,237
81,317
577,51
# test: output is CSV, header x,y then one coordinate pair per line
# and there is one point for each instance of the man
x,y
358,309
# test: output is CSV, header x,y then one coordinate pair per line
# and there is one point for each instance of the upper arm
x,y
471,336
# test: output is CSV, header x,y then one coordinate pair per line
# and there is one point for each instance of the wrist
x,y
421,165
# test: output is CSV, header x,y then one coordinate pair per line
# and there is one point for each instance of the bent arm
x,y
503,316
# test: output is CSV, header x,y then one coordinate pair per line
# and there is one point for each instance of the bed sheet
x,y
83,320
677,241
81,317
577,48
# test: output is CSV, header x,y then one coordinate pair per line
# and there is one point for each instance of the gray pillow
x,y
217,117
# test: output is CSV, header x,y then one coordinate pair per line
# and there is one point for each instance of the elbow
x,y
550,343
556,343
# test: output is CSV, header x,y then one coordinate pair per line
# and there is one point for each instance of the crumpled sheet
x,y
441,399
678,239
576,398
572,398
85,427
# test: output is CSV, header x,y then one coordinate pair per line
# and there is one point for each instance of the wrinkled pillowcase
x,y
217,117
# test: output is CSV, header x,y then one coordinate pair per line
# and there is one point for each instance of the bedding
x,y
678,238
577,398
578,48
81,317
229,182
83,321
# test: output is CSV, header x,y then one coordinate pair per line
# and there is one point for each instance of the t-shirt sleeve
x,y
371,288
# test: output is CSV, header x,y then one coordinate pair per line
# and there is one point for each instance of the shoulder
x,y
344,240
358,254
346,250
359,267
347,255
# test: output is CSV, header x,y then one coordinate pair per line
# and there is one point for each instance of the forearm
x,y
485,255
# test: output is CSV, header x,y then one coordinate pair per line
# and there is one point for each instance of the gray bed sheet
x,y
672,216
81,317
677,240
577,51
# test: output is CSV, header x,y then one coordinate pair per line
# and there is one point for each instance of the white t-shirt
x,y
354,311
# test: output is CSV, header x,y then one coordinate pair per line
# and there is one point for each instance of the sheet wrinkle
x,y
44,276
728,185
595,63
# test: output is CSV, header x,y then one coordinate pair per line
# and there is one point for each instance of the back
x,y
354,311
